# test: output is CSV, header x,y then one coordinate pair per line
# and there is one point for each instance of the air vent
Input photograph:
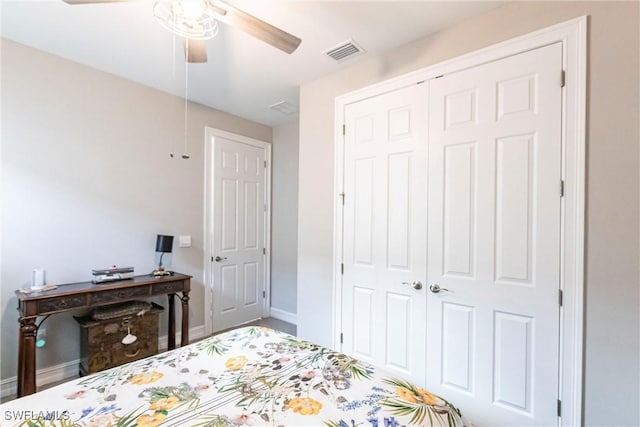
x,y
344,51
284,107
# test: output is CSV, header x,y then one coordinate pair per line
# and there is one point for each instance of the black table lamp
x,y
164,244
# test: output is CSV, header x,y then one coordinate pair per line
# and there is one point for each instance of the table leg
x,y
185,318
27,357
171,334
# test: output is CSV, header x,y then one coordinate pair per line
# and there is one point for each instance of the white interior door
x,y
494,238
384,250
238,224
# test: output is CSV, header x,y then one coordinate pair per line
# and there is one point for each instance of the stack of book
x,y
112,274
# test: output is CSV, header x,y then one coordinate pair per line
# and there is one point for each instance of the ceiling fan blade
x,y
92,1
196,52
255,27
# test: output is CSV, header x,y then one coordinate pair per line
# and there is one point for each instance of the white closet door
x,y
494,238
385,212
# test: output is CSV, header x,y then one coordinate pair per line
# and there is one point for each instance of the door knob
x,y
435,288
416,285
220,258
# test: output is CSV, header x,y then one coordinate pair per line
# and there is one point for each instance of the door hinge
x,y
559,407
563,77
211,259
264,294
562,188
264,251
344,129
342,195
341,268
341,338
560,297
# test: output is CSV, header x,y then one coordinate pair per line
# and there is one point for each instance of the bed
x,y
250,376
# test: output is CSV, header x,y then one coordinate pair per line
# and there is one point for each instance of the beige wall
x,y
611,379
284,218
87,182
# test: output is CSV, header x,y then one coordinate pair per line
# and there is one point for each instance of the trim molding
x,y
44,376
286,316
63,371
195,334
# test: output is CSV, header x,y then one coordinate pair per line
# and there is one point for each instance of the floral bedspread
x,y
251,376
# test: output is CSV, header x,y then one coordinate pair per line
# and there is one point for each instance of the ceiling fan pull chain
x,y
173,76
186,102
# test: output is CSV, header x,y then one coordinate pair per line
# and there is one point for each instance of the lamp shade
x,y
164,243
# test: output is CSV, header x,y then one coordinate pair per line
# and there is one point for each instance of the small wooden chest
x,y
101,341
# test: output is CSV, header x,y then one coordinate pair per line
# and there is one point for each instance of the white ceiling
x,y
243,75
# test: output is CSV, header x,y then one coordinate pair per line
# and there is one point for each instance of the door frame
x,y
573,36
210,138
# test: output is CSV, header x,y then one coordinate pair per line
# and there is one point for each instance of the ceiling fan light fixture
x,y
193,19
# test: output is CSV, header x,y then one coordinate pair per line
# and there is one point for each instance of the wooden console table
x,y
75,296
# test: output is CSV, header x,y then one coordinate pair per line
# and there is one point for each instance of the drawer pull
x,y
62,304
134,354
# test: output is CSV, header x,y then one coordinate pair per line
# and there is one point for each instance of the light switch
x,y
184,241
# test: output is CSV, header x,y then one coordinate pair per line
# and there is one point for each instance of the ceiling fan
x,y
196,21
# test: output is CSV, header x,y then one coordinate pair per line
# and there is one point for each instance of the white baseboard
x,y
196,333
44,376
287,316
53,374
